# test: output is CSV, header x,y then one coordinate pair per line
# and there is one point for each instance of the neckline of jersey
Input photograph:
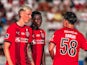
x,y
20,26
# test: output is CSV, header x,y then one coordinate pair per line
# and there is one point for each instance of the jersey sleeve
x,y
83,42
30,37
9,35
44,37
54,38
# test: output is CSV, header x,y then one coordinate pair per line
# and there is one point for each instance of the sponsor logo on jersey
x,y
19,39
38,41
22,33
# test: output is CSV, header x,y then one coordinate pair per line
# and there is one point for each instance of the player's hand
x,y
10,63
32,63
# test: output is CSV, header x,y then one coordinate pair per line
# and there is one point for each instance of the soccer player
x,y
68,42
38,39
17,38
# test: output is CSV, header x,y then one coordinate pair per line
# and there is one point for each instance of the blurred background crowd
x,y
52,12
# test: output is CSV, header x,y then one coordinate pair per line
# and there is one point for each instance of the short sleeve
x,y
30,37
9,35
83,42
44,37
54,38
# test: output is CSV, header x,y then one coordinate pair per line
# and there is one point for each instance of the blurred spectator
x,y
1,6
15,6
21,2
1,27
56,2
58,16
2,9
10,1
54,15
79,6
2,14
67,2
10,14
85,61
37,0
50,14
79,2
43,6
32,4
3,18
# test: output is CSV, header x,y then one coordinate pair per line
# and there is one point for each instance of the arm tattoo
x,y
29,52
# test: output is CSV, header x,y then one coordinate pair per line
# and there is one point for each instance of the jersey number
x,y
68,48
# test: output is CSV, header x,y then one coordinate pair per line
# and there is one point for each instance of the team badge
x,y
7,36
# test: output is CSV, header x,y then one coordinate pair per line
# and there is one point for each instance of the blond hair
x,y
24,8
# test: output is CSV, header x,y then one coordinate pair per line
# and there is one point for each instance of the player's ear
x,y
65,23
21,14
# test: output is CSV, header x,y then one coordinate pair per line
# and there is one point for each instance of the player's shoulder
x,y
59,31
12,26
42,30
79,33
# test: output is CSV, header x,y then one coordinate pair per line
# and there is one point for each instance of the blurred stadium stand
x,y
52,12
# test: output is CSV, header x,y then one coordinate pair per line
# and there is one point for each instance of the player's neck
x,y
20,23
70,26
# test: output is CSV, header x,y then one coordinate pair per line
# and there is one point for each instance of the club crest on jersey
x,y
7,36
27,33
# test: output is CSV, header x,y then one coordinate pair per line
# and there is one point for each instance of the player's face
x,y
38,20
26,15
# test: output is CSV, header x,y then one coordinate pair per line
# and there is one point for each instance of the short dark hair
x,y
35,13
71,17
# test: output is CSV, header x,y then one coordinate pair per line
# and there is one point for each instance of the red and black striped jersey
x,y
19,37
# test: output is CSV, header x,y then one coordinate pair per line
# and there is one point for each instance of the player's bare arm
x,y
51,49
29,52
7,54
